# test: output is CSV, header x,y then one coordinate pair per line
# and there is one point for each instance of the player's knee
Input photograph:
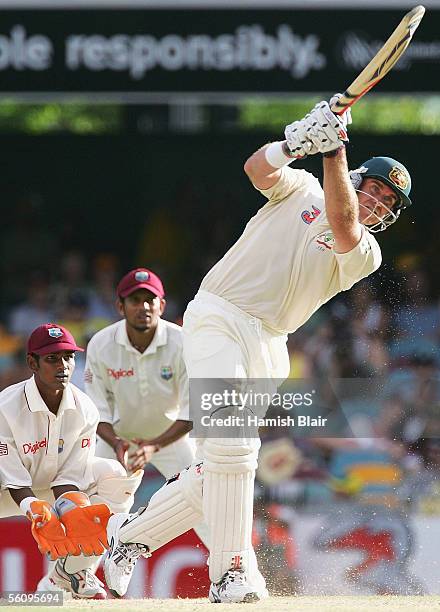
x,y
172,510
231,455
190,481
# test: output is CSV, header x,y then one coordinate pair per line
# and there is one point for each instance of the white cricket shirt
x,y
284,267
39,449
141,394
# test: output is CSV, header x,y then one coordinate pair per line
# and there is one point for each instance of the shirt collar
x,y
159,338
36,403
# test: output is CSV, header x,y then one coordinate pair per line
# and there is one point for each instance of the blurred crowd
x,y
80,296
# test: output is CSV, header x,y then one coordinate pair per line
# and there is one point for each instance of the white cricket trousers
x,y
222,341
169,461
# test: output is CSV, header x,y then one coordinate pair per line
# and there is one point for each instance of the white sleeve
x,y
75,464
364,259
290,180
183,388
95,386
13,474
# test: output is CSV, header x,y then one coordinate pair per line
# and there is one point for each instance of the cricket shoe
x,y
233,588
82,585
121,557
46,584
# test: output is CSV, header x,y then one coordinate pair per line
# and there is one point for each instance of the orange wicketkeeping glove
x,y
48,532
85,525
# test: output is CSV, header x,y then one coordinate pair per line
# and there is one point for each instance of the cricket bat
x,y
382,62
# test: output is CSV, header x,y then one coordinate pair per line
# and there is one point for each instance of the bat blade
x,y
382,62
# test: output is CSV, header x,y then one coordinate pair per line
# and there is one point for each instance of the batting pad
x,y
117,490
228,511
173,510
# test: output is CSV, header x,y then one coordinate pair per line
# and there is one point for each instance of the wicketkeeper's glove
x,y
48,532
85,524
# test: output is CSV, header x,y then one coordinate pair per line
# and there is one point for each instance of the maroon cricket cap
x,y
140,278
51,338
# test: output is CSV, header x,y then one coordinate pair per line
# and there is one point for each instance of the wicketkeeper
x,y
48,470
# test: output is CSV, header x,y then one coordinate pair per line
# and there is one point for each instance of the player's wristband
x,y
277,154
25,504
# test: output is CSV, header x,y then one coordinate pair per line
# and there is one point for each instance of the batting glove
x,y
299,144
326,130
346,117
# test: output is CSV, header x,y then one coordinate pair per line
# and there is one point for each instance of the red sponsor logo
x,y
236,562
117,374
308,217
33,447
85,442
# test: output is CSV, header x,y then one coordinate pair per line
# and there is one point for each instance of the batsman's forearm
x,y
341,202
260,172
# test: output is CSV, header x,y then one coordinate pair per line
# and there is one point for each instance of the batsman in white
x,y
47,445
305,245
136,376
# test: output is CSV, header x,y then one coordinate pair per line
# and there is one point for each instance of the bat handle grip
x,y
337,110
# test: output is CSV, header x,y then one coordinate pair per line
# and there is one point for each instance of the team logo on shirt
x,y
3,448
60,445
325,241
308,217
166,372
33,447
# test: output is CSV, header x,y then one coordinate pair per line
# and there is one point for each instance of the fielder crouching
x,y
48,468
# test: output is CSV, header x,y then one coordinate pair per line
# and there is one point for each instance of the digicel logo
x,y
117,374
30,447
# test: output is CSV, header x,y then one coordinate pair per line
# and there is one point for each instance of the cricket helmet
x,y
392,173
389,171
